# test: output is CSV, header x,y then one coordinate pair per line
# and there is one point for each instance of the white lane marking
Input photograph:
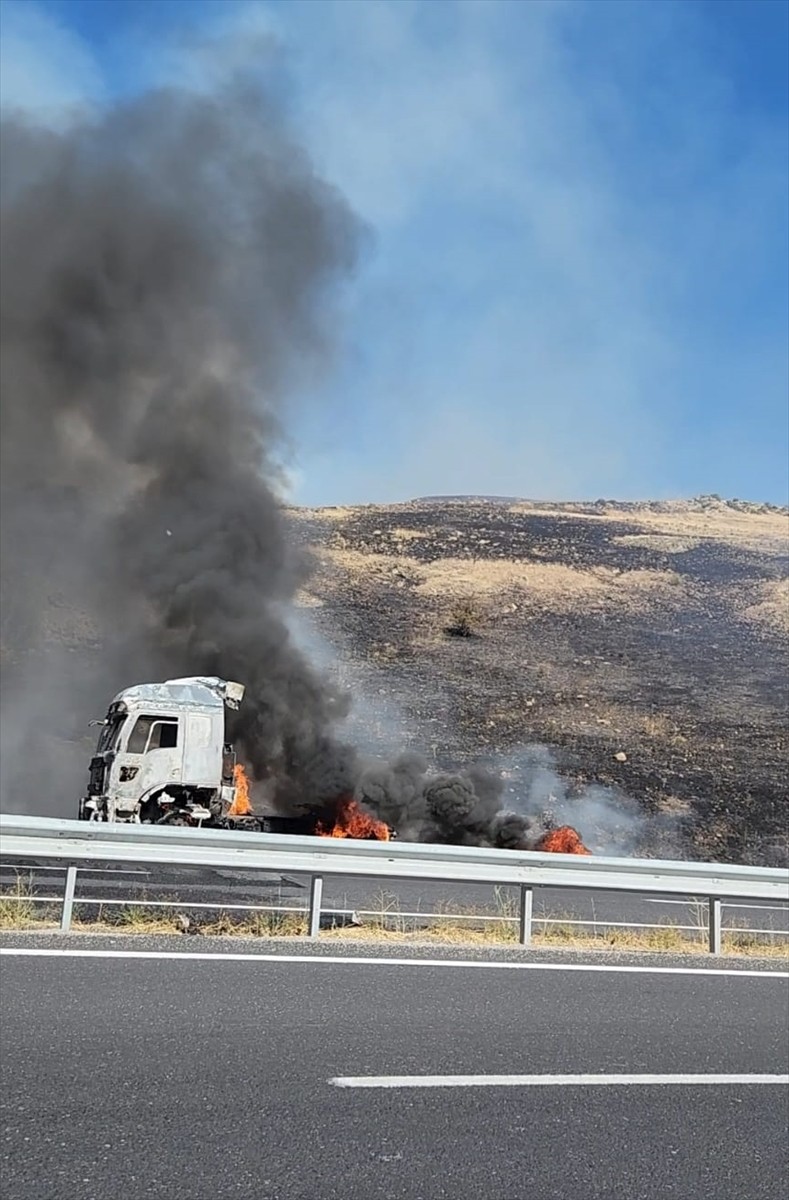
x,y
444,1081
361,961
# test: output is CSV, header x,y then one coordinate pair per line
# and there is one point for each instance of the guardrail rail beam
x,y
74,844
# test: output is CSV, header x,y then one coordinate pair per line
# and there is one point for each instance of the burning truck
x,y
163,757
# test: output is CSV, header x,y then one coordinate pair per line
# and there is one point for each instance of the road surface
x,y
205,1076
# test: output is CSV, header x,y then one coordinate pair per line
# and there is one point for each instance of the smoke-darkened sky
x,y
574,281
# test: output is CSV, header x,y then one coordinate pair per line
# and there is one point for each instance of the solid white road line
x,y
451,1081
361,961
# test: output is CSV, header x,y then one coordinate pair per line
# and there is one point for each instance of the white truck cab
x,y
162,754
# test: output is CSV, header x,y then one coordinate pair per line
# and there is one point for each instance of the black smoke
x,y
169,271
167,279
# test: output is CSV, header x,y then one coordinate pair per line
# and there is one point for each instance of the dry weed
x,y
389,923
399,534
662,728
466,619
19,910
772,608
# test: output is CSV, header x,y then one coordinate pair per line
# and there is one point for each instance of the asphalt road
x,y
197,886
206,1077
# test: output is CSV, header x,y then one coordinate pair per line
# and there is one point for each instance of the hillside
x,y
623,666
573,635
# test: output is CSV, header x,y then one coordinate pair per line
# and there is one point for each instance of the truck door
x,y
203,749
150,759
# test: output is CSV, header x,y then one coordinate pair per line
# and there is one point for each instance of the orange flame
x,y
564,840
351,821
241,806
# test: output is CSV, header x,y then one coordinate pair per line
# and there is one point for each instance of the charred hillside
x,y
622,660
642,648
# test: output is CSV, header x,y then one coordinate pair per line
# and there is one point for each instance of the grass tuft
x,y
19,910
465,619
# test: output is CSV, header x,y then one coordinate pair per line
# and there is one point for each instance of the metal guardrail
x,y
82,843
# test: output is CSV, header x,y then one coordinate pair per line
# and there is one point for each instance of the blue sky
x,y
575,283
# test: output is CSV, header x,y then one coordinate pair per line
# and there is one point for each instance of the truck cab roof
x,y
198,691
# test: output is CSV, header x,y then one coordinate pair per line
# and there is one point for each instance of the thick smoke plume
x,y
168,271
165,286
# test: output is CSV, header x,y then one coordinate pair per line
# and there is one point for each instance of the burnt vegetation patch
x,y
465,620
655,631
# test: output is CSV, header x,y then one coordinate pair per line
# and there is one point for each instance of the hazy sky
x,y
575,278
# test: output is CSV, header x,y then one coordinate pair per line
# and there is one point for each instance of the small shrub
x,y
465,619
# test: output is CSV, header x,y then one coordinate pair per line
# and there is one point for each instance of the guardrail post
x,y
68,899
524,922
316,894
715,925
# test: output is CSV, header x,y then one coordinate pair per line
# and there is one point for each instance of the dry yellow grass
x,y
666,543
334,513
19,912
308,599
401,534
772,609
767,533
682,520
661,728
18,909
552,585
358,563
554,510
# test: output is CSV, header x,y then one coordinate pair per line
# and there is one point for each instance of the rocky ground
x,y
630,654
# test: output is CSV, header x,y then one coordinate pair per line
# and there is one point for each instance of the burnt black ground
x,y
682,681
